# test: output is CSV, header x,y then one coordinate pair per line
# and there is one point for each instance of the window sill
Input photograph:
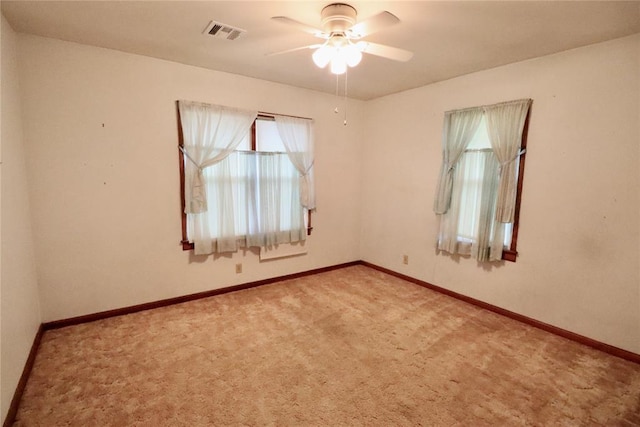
x,y
188,246
509,255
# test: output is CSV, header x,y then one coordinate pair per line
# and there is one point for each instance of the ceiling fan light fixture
x,y
340,32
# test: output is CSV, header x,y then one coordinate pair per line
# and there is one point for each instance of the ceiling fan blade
x,y
311,46
373,24
385,51
301,26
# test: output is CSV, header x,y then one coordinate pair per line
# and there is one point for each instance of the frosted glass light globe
x,y
338,65
323,55
352,54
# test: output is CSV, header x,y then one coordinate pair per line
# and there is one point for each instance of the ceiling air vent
x,y
223,31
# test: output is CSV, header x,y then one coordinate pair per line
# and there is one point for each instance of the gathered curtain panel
x,y
505,123
469,227
489,238
274,212
297,137
458,130
210,134
214,231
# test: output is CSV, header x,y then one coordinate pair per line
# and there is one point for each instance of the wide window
x,y
478,196
253,196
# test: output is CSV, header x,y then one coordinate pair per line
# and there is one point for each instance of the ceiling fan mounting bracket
x,y
338,18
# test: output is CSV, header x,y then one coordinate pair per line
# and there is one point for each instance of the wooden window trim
x,y
511,254
186,245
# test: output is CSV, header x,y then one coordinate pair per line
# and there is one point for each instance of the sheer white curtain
x,y
469,226
274,212
459,128
216,230
505,123
210,134
488,238
257,200
297,136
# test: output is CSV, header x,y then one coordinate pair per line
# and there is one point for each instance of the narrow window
x,y
480,188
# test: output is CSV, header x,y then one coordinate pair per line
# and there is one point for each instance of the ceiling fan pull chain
x,y
337,94
346,81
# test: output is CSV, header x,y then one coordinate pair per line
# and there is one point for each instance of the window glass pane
x,y
481,138
470,193
268,137
245,145
508,234
471,175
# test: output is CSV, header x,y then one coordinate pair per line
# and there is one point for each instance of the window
x,y
478,197
253,195
477,163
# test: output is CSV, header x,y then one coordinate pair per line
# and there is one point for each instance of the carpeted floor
x,y
349,347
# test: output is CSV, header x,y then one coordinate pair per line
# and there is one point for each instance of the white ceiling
x,y
449,38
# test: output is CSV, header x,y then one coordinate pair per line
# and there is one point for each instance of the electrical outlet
x,y
405,259
238,268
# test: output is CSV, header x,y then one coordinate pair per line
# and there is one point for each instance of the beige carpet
x,y
349,347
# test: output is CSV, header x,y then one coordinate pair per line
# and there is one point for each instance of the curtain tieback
x,y
189,157
513,159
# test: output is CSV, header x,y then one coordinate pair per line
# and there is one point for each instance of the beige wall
x,y
19,308
579,237
106,199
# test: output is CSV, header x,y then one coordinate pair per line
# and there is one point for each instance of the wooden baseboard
x,y
609,349
22,383
191,297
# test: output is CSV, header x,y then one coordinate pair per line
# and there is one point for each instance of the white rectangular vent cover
x,y
223,31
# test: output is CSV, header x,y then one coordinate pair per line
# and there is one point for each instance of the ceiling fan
x,y
342,46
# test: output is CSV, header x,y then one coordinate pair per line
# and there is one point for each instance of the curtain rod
x,y
490,105
265,114
260,113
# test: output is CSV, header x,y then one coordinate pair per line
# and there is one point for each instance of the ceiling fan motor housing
x,y
338,18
